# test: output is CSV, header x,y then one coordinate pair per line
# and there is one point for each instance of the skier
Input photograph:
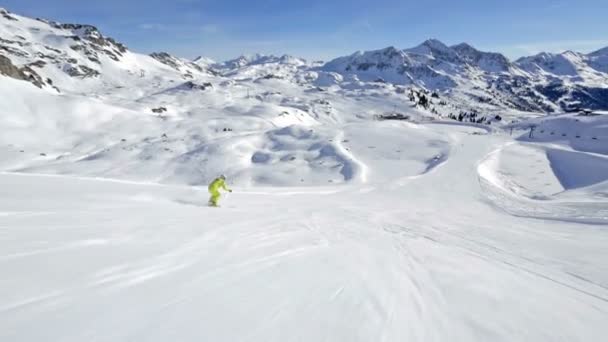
x,y
214,190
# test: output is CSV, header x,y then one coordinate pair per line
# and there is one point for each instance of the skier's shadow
x,y
190,202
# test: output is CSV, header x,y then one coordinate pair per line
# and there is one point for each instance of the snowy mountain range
x,y
545,82
73,56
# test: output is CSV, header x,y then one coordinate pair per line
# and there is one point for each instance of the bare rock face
x,y
159,110
195,86
14,47
8,69
25,73
187,68
166,59
81,71
39,64
87,40
6,15
33,77
90,33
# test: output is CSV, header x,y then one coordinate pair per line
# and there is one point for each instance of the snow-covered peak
x,y
431,53
259,59
429,46
187,68
288,59
430,60
567,68
468,53
7,15
387,58
241,61
397,66
265,67
487,61
562,64
465,48
204,61
435,49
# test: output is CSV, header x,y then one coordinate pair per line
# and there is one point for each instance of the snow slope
x,y
423,259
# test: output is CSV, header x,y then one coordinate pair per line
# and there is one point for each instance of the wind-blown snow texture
x,y
342,227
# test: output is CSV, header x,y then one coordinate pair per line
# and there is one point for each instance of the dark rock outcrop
x,y
195,86
25,73
7,68
6,15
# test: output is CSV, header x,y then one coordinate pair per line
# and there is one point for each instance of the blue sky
x,y
318,29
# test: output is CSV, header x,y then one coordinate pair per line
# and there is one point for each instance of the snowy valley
x,y
433,193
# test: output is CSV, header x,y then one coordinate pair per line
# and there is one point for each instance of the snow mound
x,y
576,170
521,170
541,182
542,172
394,151
298,154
